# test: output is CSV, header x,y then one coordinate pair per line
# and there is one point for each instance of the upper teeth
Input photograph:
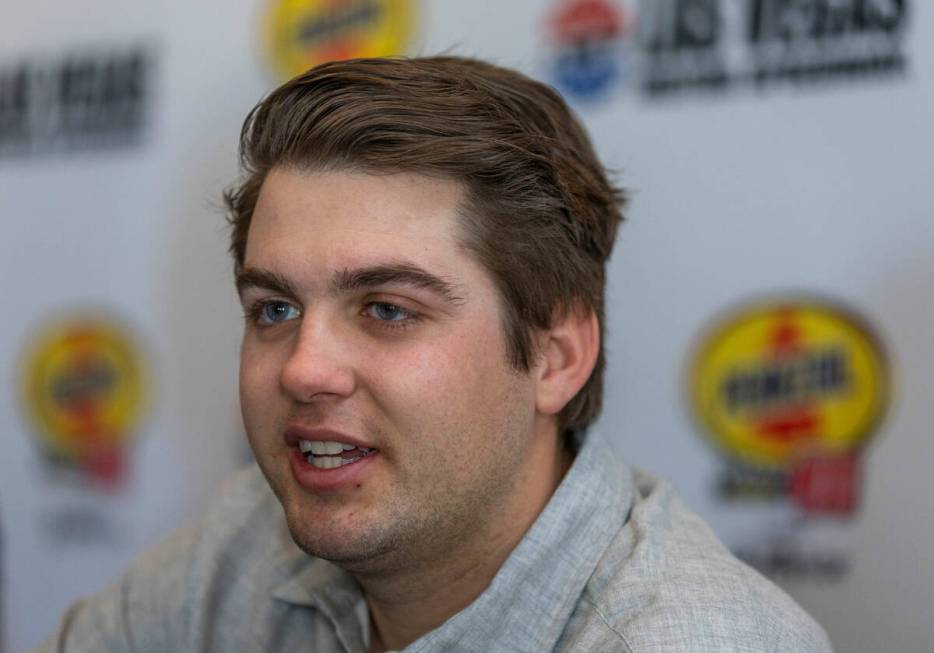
x,y
324,448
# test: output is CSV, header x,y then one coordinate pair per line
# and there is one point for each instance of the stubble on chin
x,y
368,543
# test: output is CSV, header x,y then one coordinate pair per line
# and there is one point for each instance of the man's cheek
x,y
416,370
259,397
259,370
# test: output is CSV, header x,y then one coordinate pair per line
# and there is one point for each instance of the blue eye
x,y
388,312
273,312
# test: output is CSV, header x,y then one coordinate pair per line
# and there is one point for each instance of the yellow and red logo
x,y
782,384
303,33
83,391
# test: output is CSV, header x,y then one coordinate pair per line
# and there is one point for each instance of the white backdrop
x,y
821,187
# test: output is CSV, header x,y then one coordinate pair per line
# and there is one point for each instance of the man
x,y
420,250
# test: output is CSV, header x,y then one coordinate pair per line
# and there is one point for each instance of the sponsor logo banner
x,y
303,33
715,44
88,100
790,391
588,39
83,391
673,47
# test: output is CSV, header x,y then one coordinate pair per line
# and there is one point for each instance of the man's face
x,y
368,325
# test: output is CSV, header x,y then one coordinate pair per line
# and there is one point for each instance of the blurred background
x,y
769,317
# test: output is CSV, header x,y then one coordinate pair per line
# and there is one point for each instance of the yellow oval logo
x,y
779,382
83,392
303,33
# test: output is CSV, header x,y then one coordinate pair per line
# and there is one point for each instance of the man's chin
x,y
337,540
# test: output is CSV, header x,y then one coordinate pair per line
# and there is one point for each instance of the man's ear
x,y
567,355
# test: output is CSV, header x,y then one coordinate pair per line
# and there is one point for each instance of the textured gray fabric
x,y
615,562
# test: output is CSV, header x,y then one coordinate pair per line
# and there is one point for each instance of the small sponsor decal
x,y
303,33
790,391
91,99
667,49
83,391
779,383
587,38
682,45
713,45
824,39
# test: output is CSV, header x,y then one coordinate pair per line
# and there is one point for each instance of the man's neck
x,y
410,602
402,609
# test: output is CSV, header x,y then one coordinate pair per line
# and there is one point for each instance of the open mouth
x,y
331,455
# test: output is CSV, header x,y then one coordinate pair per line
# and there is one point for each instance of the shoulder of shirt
x,y
666,583
168,598
243,525
242,501
243,496
211,569
242,514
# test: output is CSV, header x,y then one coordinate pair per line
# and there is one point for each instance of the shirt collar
x,y
530,600
324,586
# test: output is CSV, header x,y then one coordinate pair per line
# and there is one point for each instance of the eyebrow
x,y
256,278
394,273
349,280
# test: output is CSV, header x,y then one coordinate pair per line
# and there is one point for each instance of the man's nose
x,y
319,365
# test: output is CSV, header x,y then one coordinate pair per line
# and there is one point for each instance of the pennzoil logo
x,y
83,391
779,383
303,33
791,391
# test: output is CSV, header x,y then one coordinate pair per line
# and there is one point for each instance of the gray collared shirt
x,y
615,562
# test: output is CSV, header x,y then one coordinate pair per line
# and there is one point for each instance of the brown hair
x,y
540,214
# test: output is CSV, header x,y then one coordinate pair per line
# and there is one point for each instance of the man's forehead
x,y
363,193
331,227
355,211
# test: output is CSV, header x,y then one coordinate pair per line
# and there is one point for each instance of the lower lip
x,y
330,480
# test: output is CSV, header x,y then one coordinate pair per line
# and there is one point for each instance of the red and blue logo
x,y
588,36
